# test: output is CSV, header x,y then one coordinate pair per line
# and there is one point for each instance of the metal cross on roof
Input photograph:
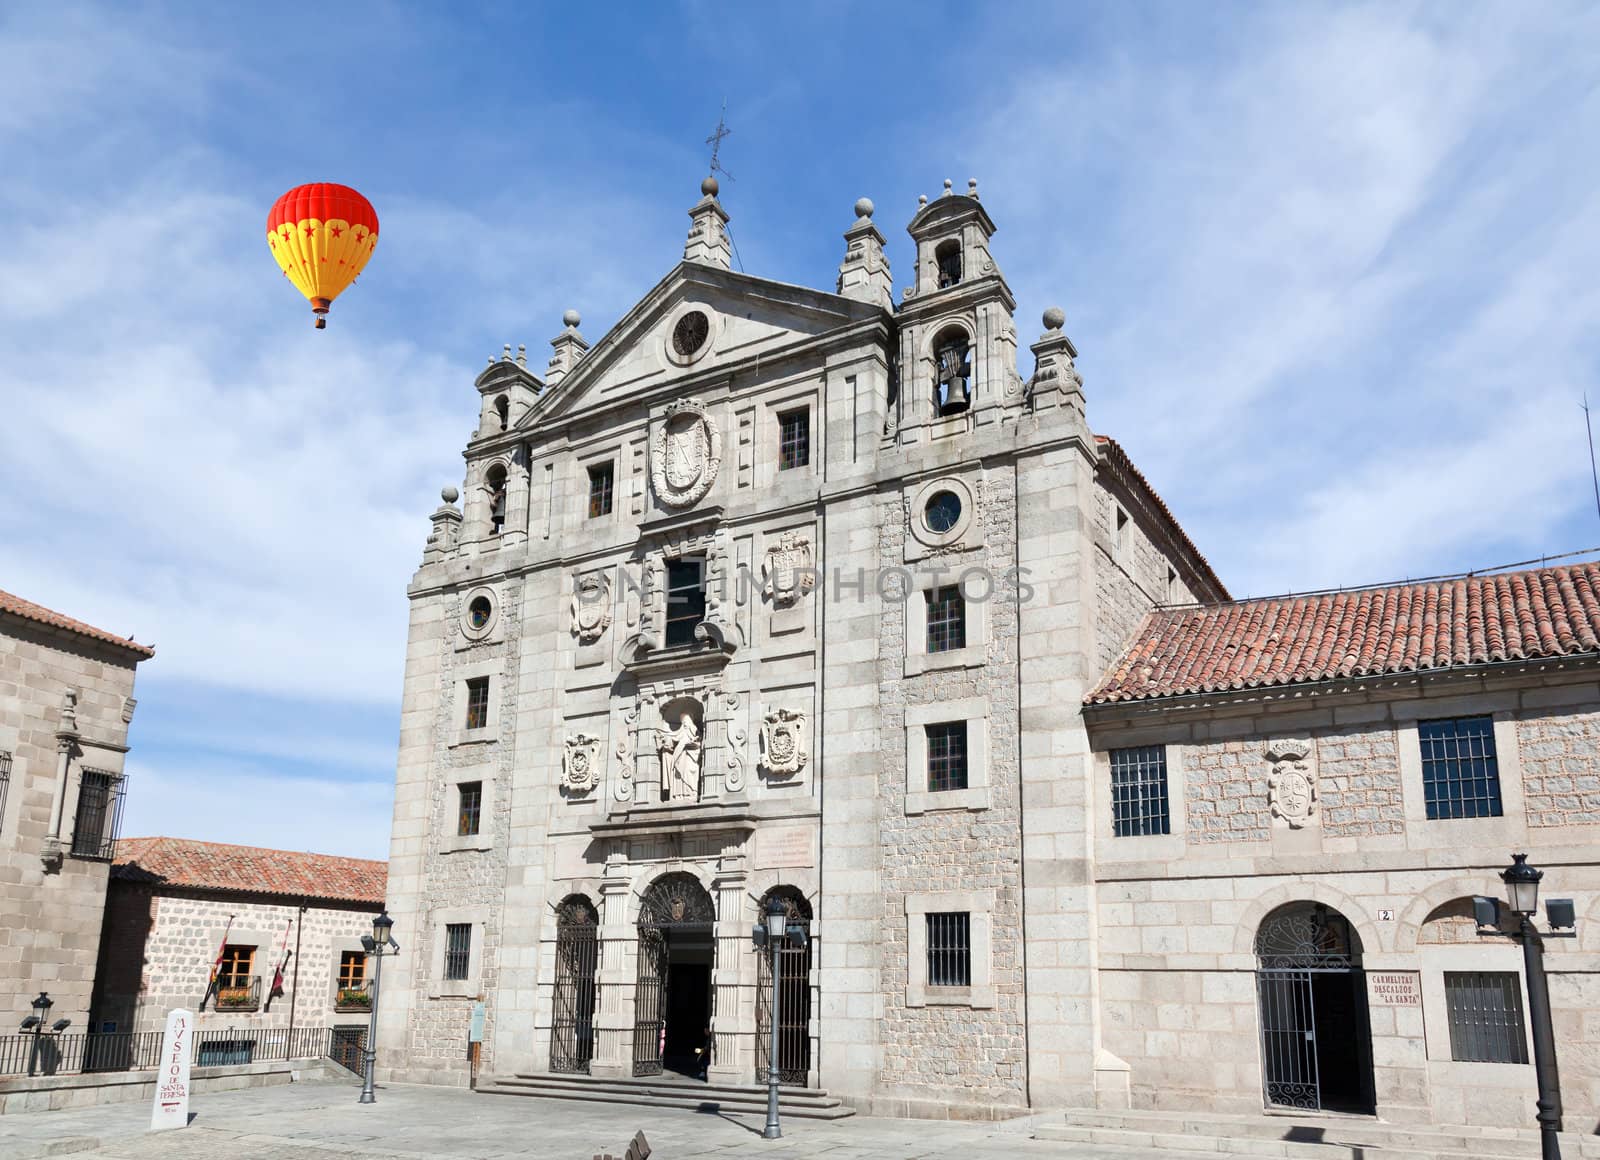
x,y
715,141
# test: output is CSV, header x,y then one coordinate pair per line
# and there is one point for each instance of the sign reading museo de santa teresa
x,y
172,1082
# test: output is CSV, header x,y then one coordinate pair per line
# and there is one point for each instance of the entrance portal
x,y
1316,1039
672,994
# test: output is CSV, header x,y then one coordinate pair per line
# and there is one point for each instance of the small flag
x,y
283,962
216,967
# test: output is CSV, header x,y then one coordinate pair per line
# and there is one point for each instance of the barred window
x,y
794,439
947,619
352,969
1139,791
686,599
602,478
477,702
471,805
1460,774
5,782
94,831
1485,1016
457,950
947,756
950,949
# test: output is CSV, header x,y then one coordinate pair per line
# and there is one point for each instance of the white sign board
x,y
172,1081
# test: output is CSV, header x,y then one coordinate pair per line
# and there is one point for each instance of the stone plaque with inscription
x,y
784,849
1395,988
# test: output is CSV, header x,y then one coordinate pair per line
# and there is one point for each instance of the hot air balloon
x,y
322,235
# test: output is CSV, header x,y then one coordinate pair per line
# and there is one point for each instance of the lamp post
x,y
777,923
41,1012
377,945
1522,894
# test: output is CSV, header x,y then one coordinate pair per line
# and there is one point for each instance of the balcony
x,y
238,993
355,997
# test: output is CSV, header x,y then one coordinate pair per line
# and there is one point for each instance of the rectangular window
x,y
686,599
5,782
947,756
352,969
236,966
1485,1016
950,949
794,439
477,702
947,619
471,805
601,479
1460,776
457,950
94,830
1139,791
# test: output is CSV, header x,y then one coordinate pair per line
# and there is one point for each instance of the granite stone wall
x,y
1560,753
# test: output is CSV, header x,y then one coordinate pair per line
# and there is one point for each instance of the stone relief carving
x,y
734,779
129,704
1291,784
784,750
580,765
685,454
626,752
680,748
720,627
591,605
787,573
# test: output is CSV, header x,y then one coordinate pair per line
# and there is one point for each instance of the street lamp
x,y
771,936
1522,895
378,944
41,1012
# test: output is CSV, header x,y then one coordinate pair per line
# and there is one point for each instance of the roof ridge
x,y
21,606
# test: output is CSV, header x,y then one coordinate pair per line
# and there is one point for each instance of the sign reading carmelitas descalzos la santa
x,y
172,1081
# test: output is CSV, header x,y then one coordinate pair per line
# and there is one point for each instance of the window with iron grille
x,y
1139,791
950,949
947,756
471,803
1460,774
1485,1016
602,476
5,782
352,969
94,831
794,439
477,702
686,599
457,950
947,619
237,962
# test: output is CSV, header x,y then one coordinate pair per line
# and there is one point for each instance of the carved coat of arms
x,y
591,605
1291,784
783,742
787,573
685,454
580,770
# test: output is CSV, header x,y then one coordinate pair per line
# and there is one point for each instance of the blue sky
x,y
1331,271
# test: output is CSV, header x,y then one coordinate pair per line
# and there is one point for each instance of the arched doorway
x,y
672,993
794,996
572,1029
1316,1039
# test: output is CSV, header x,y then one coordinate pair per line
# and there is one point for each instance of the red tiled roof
x,y
28,610
1402,628
249,870
1117,459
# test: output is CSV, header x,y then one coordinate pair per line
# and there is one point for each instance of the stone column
x,y
613,1016
733,1009
516,529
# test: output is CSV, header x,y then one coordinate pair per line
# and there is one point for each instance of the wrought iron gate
x,y
1294,944
674,902
572,1030
794,1015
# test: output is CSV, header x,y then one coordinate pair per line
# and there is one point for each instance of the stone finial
x,y
972,188
566,349
709,187
864,207
1054,317
1056,381
505,353
922,200
446,530
708,235
947,188
449,494
571,318
864,273
522,354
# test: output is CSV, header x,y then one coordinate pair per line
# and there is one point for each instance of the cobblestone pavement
x,y
322,1121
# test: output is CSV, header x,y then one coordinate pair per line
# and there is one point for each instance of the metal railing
x,y
354,996
141,1050
239,993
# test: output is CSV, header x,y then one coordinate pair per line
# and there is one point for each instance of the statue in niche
x,y
680,759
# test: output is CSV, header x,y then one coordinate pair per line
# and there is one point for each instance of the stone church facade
x,y
777,593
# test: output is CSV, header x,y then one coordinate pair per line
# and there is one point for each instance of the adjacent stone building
x,y
777,594
273,914
66,701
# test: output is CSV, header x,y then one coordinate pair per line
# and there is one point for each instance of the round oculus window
x,y
691,333
942,512
479,611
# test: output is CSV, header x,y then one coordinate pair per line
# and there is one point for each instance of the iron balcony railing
x,y
354,997
238,993
141,1050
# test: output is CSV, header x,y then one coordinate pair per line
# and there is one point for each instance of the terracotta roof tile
x,y
1398,628
28,610
249,870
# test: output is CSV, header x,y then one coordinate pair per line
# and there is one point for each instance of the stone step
x,y
802,1103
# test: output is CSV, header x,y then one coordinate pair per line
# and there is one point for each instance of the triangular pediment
x,y
744,319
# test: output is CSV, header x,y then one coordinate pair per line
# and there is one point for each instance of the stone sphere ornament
x,y
449,494
1054,317
709,186
571,318
864,207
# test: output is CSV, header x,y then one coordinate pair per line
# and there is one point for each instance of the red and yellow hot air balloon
x,y
322,235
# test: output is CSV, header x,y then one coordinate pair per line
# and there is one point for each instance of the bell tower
x,y
958,342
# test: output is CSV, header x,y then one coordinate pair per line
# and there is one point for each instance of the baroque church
x,y
812,599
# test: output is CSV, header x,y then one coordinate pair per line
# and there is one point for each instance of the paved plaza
x,y
322,1121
